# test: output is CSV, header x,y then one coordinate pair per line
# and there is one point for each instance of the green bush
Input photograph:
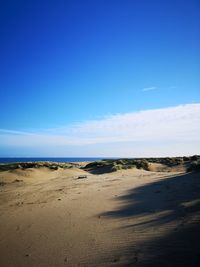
x,y
55,168
194,166
195,158
96,164
116,167
142,164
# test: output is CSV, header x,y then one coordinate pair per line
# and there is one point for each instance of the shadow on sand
x,y
162,219
100,170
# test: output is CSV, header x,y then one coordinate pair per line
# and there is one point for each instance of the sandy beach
x,y
72,217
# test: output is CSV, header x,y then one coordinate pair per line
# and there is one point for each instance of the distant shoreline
x,y
52,159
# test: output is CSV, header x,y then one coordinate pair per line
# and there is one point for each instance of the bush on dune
x,y
27,165
96,164
116,167
142,164
119,164
194,166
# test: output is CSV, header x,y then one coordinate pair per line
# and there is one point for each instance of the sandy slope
x,y
126,218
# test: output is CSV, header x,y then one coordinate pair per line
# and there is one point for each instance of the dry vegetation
x,y
111,165
26,165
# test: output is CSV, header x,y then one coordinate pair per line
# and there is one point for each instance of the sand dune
x,y
124,218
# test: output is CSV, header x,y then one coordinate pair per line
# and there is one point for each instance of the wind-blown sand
x,y
125,218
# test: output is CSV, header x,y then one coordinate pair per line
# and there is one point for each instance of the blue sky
x,y
68,65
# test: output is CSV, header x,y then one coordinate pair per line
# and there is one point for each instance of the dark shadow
x,y
172,204
100,170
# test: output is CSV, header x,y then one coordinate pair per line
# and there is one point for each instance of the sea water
x,y
67,159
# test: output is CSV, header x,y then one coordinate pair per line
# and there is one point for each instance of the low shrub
x,y
96,164
116,167
142,164
55,168
194,166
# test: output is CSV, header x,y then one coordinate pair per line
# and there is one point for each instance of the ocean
x,y
12,160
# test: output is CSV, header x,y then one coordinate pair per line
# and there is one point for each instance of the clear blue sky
x,y
63,62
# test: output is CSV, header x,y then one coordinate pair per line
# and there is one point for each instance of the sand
x,y
125,218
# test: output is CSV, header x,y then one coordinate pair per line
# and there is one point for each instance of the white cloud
x,y
149,88
180,124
